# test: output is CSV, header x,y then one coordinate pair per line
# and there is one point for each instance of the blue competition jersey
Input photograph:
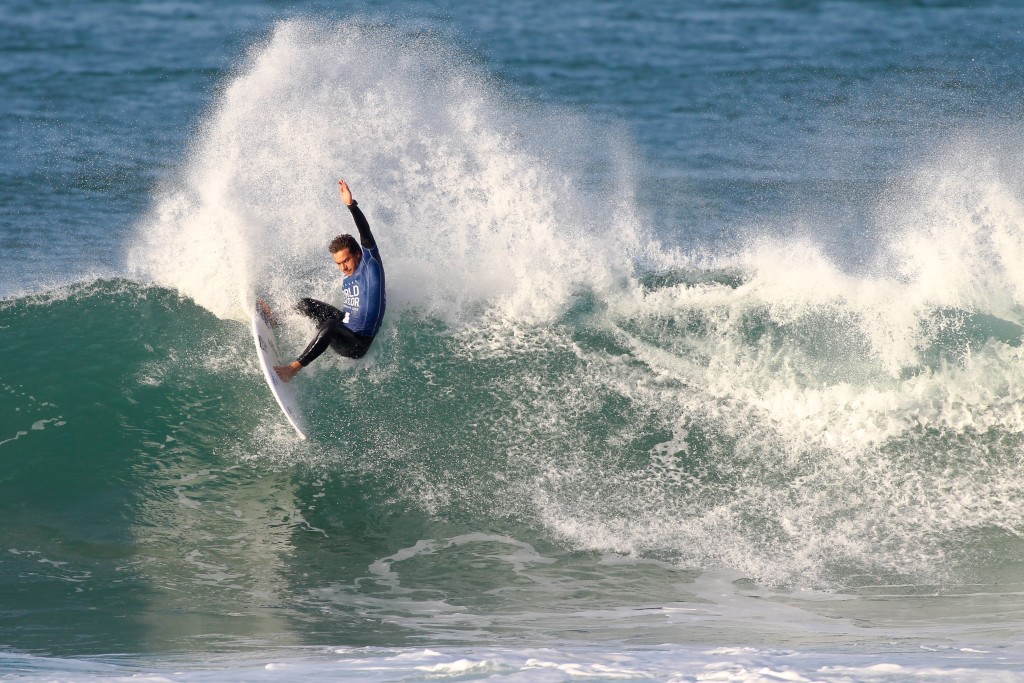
x,y
364,295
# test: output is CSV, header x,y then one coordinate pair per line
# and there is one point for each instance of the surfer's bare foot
x,y
287,372
267,313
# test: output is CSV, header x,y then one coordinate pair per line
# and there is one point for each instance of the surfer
x,y
351,330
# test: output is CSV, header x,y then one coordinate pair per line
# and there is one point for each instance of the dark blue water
x,y
703,351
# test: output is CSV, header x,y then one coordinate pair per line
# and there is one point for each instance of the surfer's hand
x,y
287,372
346,194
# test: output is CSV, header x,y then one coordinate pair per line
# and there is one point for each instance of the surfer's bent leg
x,y
318,310
332,332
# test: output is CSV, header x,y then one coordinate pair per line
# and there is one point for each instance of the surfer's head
x,y
346,252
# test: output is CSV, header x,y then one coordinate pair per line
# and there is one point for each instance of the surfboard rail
x,y
266,351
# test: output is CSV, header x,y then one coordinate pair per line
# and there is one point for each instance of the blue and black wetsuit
x,y
351,330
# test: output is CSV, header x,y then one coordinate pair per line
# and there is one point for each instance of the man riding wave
x,y
351,330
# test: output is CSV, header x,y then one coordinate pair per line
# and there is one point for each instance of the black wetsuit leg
x,y
331,331
318,310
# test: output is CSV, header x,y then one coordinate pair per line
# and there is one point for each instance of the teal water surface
x,y
703,343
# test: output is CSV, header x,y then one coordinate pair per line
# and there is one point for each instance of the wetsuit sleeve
x,y
365,236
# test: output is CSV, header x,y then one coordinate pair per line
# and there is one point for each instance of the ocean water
x,y
702,361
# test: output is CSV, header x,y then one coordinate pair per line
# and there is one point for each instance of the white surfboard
x,y
266,349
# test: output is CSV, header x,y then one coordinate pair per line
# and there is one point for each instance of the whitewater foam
x,y
826,426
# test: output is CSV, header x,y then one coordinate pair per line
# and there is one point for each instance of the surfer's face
x,y
347,261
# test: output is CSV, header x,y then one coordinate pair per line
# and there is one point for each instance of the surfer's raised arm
x,y
365,236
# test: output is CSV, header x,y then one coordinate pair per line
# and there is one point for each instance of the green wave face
x,y
154,497
154,494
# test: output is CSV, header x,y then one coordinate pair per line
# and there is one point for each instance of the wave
x,y
698,425
546,364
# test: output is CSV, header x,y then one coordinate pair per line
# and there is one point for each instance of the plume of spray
x,y
475,200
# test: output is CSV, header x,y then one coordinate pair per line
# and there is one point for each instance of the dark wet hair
x,y
344,242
